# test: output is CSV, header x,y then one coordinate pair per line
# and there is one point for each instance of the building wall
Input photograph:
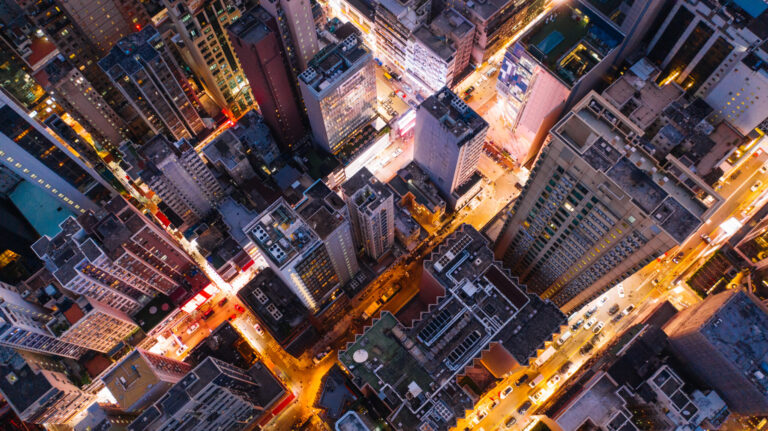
x,y
300,34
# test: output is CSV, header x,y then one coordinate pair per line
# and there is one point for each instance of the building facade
x,y
597,208
371,207
297,29
339,91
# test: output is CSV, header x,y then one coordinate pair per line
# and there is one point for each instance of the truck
x,y
536,380
371,309
544,356
563,338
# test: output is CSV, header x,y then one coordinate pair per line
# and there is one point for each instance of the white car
x,y
181,350
589,323
756,186
537,396
764,168
554,380
503,394
621,291
193,327
598,328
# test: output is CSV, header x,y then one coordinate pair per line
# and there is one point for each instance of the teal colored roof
x,y
43,211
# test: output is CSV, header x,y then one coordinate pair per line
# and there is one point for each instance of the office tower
x,y
23,326
141,378
201,25
256,42
736,97
297,30
496,21
339,91
214,395
598,207
105,22
478,317
142,68
371,207
33,154
90,324
120,258
395,22
310,248
549,69
448,139
723,340
697,47
177,174
78,97
38,395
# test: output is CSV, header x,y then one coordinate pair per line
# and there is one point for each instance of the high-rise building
x,y
297,29
736,97
310,248
255,39
141,377
23,326
39,395
496,21
699,43
339,91
39,158
177,174
143,69
214,395
201,25
723,341
90,324
120,259
598,207
448,139
103,416
550,68
458,32
75,93
371,207
395,22
105,22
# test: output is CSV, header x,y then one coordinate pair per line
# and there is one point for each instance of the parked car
x,y
257,328
614,309
193,327
223,301
510,422
577,325
629,309
207,314
554,380
598,328
589,323
503,394
524,407
524,378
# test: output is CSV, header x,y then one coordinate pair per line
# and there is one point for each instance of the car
x,y
207,314
585,349
613,310
706,238
193,327
510,422
524,378
655,282
577,325
181,350
503,394
232,317
616,318
756,186
603,300
257,328
629,309
591,311
554,380
589,323
469,90
239,308
598,327
467,97
764,168
493,404
321,355
223,301
565,368
480,416
621,291
537,396
524,407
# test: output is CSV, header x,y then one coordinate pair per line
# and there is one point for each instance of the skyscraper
x,y
371,212
42,159
297,29
90,324
310,248
597,208
339,91
142,68
723,340
179,176
201,25
448,139
119,258
105,22
255,39
23,326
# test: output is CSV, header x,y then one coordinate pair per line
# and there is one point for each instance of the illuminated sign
x,y
406,122
200,299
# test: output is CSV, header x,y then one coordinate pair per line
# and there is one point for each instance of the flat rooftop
x,y
366,191
280,233
461,120
464,255
411,179
596,131
597,404
441,46
321,209
487,9
572,41
451,22
251,27
331,64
